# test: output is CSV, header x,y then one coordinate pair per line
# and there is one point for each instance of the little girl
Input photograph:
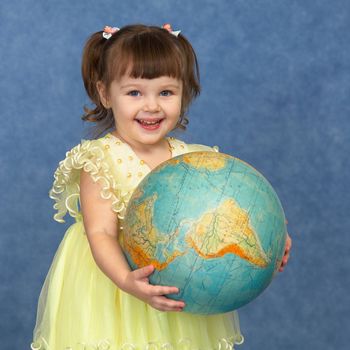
x,y
141,80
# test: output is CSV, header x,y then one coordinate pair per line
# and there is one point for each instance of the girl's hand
x,y
286,253
137,284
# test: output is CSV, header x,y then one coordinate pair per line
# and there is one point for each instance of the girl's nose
x,y
151,104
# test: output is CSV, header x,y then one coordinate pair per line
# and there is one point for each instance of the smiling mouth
x,y
150,124
144,122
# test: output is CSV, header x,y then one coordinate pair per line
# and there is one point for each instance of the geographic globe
x,y
211,225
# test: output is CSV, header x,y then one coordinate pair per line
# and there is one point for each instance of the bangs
x,y
148,55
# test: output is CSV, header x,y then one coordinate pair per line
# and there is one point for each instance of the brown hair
x,y
143,52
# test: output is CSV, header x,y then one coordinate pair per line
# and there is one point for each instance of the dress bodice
x,y
112,163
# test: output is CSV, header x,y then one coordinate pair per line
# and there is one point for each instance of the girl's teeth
x,y
149,123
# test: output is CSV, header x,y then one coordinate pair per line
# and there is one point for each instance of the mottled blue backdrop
x,y
276,93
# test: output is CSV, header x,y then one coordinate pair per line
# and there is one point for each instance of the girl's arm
x,y
101,229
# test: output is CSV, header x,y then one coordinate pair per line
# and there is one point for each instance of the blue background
x,y
276,89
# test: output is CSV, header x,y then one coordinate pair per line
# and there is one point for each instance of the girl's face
x,y
145,110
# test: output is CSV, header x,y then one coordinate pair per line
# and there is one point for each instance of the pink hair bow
x,y
167,26
109,31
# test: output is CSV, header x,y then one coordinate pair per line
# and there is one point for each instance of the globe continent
x,y
211,225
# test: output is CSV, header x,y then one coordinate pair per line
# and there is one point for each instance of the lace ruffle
x,y
90,156
182,344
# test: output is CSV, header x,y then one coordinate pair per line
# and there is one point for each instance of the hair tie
x,y
167,27
109,31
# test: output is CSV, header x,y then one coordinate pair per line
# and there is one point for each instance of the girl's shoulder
x,y
192,147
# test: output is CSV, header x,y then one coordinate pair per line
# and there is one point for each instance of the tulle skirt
x,y
80,308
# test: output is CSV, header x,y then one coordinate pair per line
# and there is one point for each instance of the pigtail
x,y
92,69
192,68
192,83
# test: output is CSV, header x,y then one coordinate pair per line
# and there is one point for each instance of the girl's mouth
x,y
149,124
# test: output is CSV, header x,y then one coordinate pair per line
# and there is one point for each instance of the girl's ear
x,y
102,91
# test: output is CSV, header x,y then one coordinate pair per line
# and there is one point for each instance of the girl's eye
x,y
166,93
134,93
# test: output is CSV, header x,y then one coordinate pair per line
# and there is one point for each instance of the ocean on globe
x,y
211,225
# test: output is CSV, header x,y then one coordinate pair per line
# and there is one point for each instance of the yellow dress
x,y
81,308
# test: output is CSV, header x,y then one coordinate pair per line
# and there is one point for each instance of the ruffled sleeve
x,y
92,157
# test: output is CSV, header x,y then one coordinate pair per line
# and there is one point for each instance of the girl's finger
x,y
165,304
288,243
143,272
163,290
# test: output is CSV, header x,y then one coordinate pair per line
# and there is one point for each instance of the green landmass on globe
x,y
211,225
